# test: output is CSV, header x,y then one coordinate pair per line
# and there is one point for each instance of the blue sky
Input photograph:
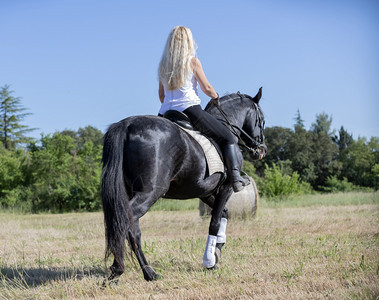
x,y
89,62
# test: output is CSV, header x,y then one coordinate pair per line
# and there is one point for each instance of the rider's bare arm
x,y
161,91
205,86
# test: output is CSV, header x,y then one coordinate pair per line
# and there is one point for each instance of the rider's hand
x,y
216,100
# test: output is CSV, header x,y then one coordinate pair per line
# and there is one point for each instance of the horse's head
x,y
253,126
243,116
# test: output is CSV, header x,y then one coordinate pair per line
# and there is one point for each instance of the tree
x,y
323,124
325,155
10,175
344,140
360,165
324,150
63,178
277,139
300,153
85,135
299,121
11,115
71,133
343,143
90,134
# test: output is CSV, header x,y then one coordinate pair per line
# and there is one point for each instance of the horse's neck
x,y
235,112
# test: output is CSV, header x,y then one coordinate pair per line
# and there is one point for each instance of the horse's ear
x,y
258,96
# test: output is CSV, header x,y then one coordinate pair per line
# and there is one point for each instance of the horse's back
x,y
139,124
157,153
152,145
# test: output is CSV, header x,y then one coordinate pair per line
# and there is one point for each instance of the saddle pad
x,y
212,156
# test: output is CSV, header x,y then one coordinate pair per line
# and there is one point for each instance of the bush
x,y
57,176
375,176
10,175
335,185
276,184
64,178
250,170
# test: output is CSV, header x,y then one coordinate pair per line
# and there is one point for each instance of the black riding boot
x,y
233,171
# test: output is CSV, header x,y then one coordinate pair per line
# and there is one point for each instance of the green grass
x,y
337,199
175,205
314,252
351,198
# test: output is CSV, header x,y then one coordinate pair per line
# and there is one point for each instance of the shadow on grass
x,y
31,277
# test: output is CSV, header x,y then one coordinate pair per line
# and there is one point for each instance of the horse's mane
x,y
223,99
235,96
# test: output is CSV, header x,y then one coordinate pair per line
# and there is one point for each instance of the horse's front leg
x,y
221,234
216,236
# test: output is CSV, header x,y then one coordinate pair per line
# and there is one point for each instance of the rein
x,y
241,142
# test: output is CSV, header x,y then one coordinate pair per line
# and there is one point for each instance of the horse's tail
x,y
118,219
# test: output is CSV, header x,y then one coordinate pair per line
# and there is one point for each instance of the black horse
x,y
149,157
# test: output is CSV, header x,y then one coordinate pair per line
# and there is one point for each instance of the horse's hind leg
x,y
118,266
140,204
148,272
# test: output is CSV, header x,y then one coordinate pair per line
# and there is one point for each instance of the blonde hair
x,y
175,64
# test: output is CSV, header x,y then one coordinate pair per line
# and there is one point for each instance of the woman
x,y
179,72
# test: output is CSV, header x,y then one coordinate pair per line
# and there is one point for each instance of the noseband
x,y
257,142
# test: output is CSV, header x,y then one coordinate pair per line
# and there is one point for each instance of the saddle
x,y
212,151
178,118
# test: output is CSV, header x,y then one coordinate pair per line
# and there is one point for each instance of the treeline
x,y
58,172
317,159
61,172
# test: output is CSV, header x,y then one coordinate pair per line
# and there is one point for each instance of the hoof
x,y
154,277
149,274
212,268
104,284
110,281
157,276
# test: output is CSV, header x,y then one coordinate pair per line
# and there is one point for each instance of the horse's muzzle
x,y
259,153
262,151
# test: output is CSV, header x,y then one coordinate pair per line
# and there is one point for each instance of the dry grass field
x,y
314,252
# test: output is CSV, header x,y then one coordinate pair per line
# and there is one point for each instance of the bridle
x,y
257,142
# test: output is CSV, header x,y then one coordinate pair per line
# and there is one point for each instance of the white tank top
x,y
181,98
